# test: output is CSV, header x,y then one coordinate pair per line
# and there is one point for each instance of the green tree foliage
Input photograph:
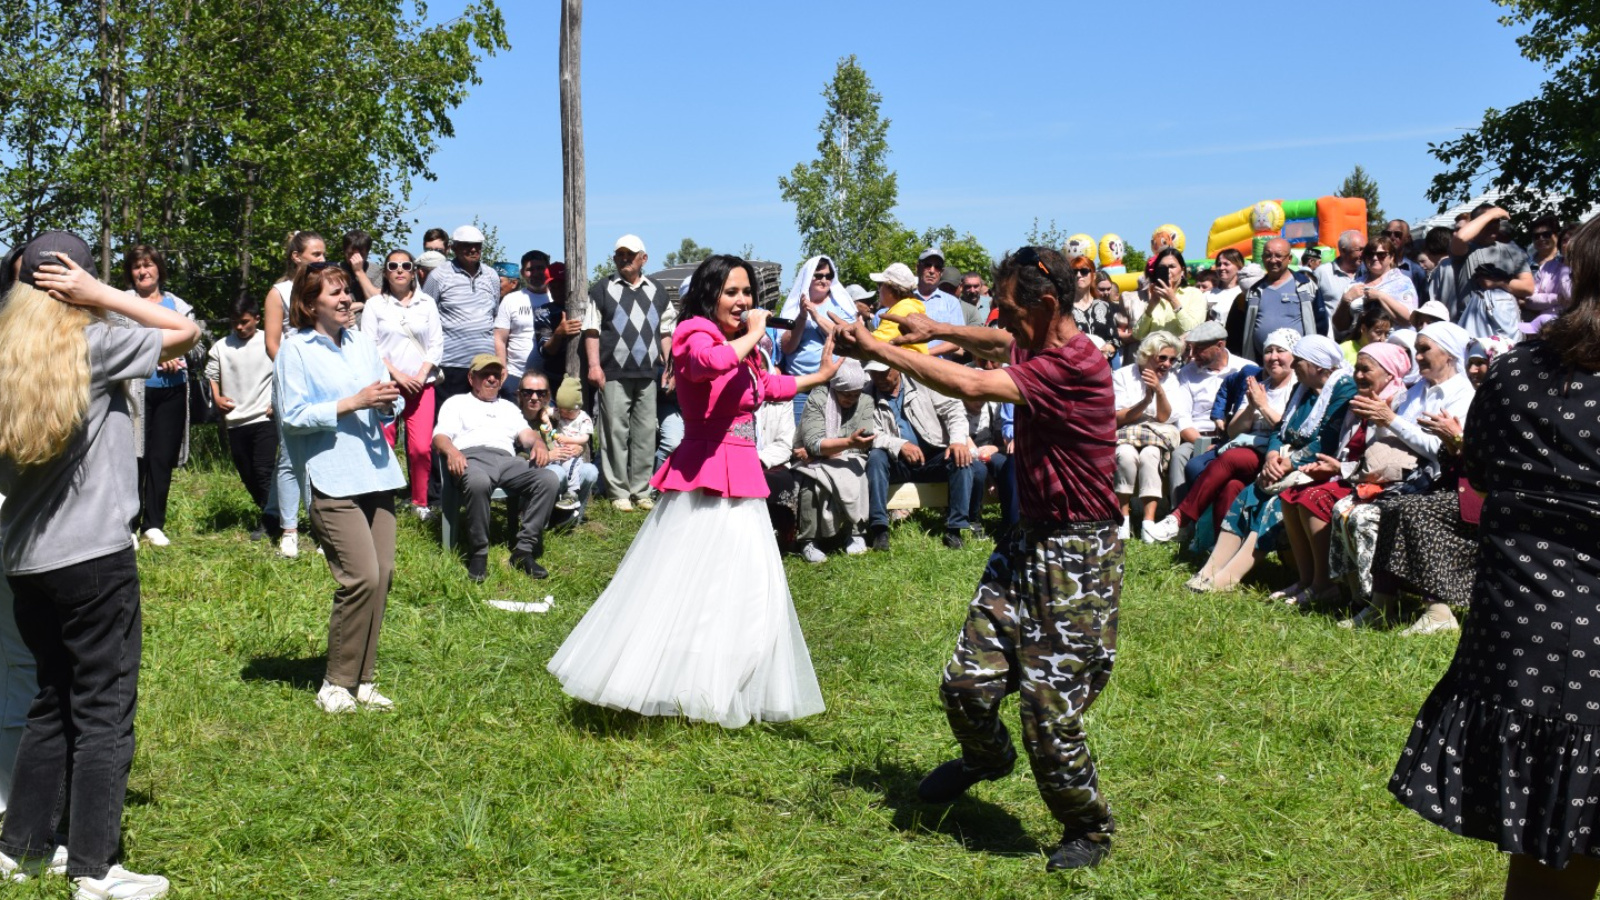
x,y
1048,236
1135,260
493,250
1548,143
1359,184
844,198
688,253
212,128
905,245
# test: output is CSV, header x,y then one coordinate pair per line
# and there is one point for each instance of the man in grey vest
x,y
627,331
1279,300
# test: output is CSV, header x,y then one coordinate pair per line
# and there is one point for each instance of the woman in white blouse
x,y
404,323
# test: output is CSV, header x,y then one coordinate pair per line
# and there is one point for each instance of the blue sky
x,y
1000,113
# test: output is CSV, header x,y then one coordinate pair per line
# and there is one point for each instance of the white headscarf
x,y
838,302
1323,353
1452,338
1285,338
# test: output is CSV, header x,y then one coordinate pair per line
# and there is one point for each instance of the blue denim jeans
x,y
1002,471
967,484
82,624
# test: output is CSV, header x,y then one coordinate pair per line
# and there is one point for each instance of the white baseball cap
x,y
629,242
466,234
898,274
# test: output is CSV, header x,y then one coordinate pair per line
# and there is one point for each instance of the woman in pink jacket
x,y
698,620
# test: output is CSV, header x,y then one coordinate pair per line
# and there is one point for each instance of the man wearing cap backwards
x,y
942,305
468,293
627,332
1209,365
1044,618
477,434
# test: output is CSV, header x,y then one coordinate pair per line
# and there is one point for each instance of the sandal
x,y
1288,594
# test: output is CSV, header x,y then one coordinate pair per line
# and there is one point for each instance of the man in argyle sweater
x,y
627,331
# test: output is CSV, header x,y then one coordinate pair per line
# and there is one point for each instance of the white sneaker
x,y
1162,531
367,695
623,505
58,861
120,884
1437,619
156,537
857,546
289,544
811,553
1125,531
421,512
14,870
645,503
335,699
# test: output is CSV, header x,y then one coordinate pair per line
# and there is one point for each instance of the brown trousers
x,y
358,535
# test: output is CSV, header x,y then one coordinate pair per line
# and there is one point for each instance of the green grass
x,y
1245,748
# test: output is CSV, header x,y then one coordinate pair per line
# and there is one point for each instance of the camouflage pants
x,y
1043,623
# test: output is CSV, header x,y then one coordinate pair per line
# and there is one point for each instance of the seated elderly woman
x,y
1152,419
836,431
1360,459
1443,390
1218,475
1315,413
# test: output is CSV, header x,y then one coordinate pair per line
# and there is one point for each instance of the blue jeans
x,y
1002,471
800,406
671,427
967,484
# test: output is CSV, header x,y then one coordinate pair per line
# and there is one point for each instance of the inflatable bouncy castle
x,y
1303,223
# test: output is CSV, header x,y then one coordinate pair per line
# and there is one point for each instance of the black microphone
x,y
772,321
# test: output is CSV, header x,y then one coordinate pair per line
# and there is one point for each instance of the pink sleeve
x,y
777,387
701,358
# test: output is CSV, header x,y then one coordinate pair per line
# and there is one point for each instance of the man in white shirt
x,y
1334,278
477,434
1209,364
514,339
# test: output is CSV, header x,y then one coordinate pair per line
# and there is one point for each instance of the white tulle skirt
x,y
697,622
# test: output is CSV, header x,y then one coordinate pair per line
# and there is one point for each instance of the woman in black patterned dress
x,y
1507,747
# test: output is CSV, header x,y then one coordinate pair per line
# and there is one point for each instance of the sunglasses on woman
x,y
399,266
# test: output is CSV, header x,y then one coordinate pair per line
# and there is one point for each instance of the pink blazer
x,y
718,395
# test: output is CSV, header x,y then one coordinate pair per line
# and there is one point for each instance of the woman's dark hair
x,y
1175,253
357,241
1373,314
140,253
831,266
1575,334
296,243
705,285
436,234
1233,256
398,251
307,288
1385,242
246,304
1034,272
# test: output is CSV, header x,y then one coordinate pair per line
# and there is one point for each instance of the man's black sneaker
x,y
879,539
952,539
478,567
1078,853
524,562
950,780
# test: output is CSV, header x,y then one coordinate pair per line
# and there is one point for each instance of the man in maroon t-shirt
x,y
1045,614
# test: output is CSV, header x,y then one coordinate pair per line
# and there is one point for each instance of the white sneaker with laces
x,y
156,537
120,884
367,695
1125,530
58,861
857,546
645,503
421,512
811,553
335,699
289,544
1162,531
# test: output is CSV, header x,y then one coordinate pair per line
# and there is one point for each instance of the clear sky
x,y
1103,118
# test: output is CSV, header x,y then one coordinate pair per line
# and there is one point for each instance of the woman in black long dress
x,y
1507,747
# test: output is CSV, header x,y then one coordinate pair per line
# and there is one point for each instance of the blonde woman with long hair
x,y
67,470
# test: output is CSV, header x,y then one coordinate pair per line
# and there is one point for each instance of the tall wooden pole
x,y
572,181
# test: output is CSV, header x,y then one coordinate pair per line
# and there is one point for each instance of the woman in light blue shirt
x,y
335,397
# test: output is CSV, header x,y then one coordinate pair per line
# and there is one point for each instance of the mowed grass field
x,y
1245,748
